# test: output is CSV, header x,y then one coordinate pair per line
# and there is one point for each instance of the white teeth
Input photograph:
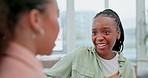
x,y
100,45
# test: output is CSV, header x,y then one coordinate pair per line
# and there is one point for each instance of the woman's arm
x,y
63,68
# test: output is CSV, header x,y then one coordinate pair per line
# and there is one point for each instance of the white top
x,y
109,67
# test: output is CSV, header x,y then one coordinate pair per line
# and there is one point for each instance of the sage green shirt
x,y
84,63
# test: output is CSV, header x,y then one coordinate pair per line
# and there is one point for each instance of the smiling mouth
x,y
101,46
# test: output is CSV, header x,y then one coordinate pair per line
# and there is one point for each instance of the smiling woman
x,y
104,59
107,33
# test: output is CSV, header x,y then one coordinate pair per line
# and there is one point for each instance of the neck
x,y
24,38
108,56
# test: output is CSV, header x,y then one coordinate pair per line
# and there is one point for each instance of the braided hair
x,y
110,13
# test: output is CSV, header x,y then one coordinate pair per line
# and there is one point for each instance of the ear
x,y
118,35
35,20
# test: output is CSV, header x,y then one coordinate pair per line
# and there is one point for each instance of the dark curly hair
x,y
110,13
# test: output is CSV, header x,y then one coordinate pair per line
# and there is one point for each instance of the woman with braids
x,y
104,59
27,28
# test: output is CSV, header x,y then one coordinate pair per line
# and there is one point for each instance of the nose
x,y
99,37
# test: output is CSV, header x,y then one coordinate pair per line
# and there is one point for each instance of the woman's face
x,y
104,34
51,28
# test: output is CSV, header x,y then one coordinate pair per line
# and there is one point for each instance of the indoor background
x,y
75,29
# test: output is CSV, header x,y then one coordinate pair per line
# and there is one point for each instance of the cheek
x,y
93,39
53,28
112,40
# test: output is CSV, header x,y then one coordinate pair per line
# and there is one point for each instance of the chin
x,y
45,52
49,52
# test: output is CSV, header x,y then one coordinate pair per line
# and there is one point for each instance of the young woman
x,y
27,28
104,59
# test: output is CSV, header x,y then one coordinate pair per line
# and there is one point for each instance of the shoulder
x,y
81,52
125,61
126,66
10,64
83,49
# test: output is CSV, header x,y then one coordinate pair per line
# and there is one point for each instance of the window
x,y
146,11
128,18
60,40
84,14
142,30
146,17
85,10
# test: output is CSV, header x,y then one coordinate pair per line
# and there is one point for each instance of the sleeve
x,y
127,69
131,73
62,69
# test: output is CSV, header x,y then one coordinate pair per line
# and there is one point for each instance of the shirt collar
x,y
121,58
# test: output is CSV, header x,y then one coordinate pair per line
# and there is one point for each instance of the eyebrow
x,y
95,28
106,28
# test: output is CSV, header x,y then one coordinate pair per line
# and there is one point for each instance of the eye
x,y
106,32
94,33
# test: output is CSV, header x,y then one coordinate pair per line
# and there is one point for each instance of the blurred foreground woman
x,y
27,28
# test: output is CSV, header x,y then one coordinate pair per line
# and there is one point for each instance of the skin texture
x,y
37,31
104,35
51,28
